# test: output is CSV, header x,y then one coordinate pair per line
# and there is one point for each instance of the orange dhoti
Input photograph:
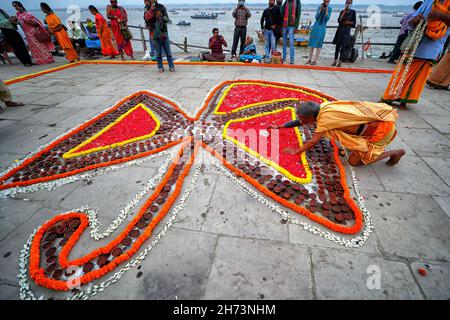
x,y
415,81
378,133
440,77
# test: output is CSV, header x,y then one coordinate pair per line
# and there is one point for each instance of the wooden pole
x,y
144,44
185,45
362,36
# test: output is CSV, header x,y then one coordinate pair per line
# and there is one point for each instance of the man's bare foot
x,y
394,159
14,104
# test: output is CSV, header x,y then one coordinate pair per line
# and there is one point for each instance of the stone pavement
x,y
225,244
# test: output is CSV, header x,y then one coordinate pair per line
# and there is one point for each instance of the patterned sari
x,y
31,26
122,44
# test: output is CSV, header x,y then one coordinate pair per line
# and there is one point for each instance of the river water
x,y
200,30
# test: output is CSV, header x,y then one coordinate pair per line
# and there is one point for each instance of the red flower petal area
x,y
269,145
137,124
242,95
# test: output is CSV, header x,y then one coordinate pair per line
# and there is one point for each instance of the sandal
x,y
308,62
313,63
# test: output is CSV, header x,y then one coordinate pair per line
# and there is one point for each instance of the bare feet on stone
x,y
14,104
394,159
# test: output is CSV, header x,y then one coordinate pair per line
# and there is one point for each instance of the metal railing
x,y
359,33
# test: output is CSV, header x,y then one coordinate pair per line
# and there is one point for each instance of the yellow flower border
x,y
73,153
267,161
225,93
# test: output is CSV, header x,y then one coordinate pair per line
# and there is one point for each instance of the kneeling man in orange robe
x,y
364,128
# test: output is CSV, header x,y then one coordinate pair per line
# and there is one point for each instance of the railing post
x,y
362,36
144,44
185,45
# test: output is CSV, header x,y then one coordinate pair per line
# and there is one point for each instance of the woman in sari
x,y
56,28
118,16
103,33
31,26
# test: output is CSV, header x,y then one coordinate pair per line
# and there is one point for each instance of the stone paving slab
x,y
25,139
444,202
410,226
348,275
436,283
221,215
258,269
170,274
413,176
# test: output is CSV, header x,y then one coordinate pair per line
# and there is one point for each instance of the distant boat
x,y
399,14
223,12
364,16
203,15
183,23
173,12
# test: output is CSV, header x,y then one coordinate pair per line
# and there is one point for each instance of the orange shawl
x,y
340,114
61,36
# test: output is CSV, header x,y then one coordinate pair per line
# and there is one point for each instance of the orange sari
x,y
104,34
62,37
414,83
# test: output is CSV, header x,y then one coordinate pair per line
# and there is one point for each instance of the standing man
x,y
342,38
270,20
241,15
8,29
278,30
119,25
147,7
157,19
290,11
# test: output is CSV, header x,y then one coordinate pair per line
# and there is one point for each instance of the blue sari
x,y
320,28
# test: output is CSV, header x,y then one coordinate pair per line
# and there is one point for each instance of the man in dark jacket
x,y
342,38
157,18
278,30
270,20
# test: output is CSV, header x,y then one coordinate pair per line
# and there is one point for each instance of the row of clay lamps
x,y
54,239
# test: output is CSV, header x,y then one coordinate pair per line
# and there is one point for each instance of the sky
x,y
34,4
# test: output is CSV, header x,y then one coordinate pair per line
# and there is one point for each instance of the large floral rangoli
x,y
231,126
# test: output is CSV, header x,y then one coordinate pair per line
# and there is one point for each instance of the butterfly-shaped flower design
x,y
231,125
